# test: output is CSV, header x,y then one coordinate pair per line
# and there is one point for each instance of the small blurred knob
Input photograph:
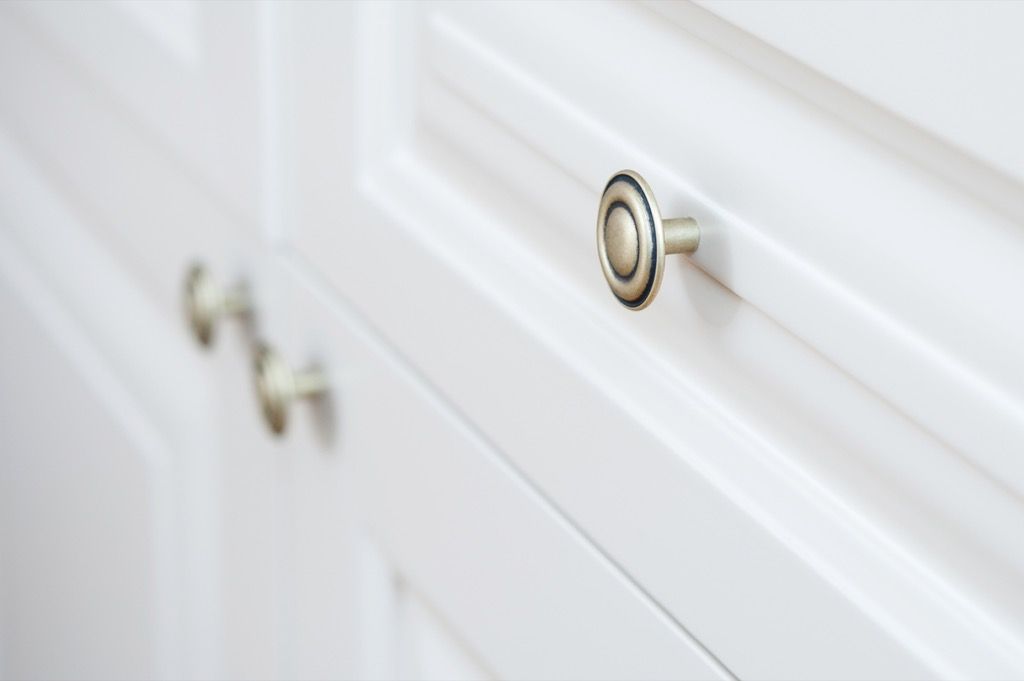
x,y
278,386
632,239
206,301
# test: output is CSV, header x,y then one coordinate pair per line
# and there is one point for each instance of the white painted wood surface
x,y
456,524
188,72
801,462
110,520
87,511
953,82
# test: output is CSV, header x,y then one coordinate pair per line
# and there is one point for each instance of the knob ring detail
x,y
629,192
633,239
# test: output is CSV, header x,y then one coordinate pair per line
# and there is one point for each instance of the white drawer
x,y
249,556
800,462
748,447
383,463
946,68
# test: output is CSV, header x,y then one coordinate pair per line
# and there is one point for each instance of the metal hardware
x,y
206,302
633,239
278,386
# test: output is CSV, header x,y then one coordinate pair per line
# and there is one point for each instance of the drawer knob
x,y
278,385
633,239
206,301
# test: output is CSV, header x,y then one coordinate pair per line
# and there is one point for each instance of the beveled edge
x,y
651,243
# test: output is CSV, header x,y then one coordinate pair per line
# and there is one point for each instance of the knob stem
x,y
277,386
309,382
236,301
206,302
682,235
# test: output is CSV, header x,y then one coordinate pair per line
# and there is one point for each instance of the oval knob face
x,y
278,385
274,388
622,241
632,239
206,302
202,303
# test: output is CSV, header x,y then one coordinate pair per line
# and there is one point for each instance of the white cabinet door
x,y
415,550
138,502
746,448
187,75
964,57
99,224
89,508
108,446
144,200
799,463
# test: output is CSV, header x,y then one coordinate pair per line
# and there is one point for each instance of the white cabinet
x,y
187,73
88,509
799,462
110,446
746,453
390,477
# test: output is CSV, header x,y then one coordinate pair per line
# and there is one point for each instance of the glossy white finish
x,y
109,511
528,595
476,170
188,73
952,83
773,235
95,482
800,463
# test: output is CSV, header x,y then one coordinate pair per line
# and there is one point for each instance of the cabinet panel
x,y
154,479
433,650
137,197
85,536
789,199
763,438
953,82
797,464
382,460
185,75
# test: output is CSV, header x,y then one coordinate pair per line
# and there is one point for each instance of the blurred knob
x,y
206,301
633,239
278,385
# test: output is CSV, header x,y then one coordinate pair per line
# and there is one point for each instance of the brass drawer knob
x,y
633,239
206,301
278,385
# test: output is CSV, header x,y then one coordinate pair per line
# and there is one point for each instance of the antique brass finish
x,y
632,239
278,386
206,302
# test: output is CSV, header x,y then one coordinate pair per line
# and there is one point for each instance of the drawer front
x,y
745,449
955,83
382,476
